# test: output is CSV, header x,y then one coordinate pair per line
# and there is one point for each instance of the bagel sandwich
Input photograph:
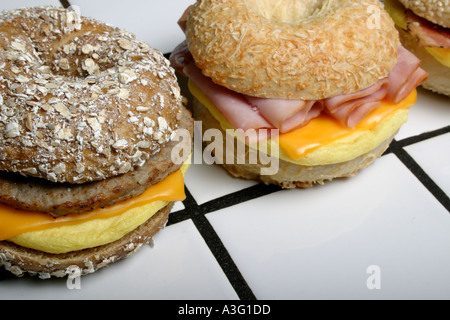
x,y
89,163
424,30
326,82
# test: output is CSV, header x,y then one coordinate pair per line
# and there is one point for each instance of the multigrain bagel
x,y
45,196
66,78
292,49
89,117
436,11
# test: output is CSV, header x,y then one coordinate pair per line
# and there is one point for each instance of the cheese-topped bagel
x,y
436,11
424,30
314,73
292,49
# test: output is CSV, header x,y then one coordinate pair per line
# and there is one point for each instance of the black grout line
x,y
190,206
198,212
65,3
193,211
422,137
6,275
397,148
238,197
421,175
223,258
416,139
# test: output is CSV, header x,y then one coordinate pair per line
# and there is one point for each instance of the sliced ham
x,y
286,115
427,33
351,109
183,19
232,104
418,77
312,110
245,112
180,57
405,76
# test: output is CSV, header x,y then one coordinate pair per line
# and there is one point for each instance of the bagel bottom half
x,y
289,175
20,260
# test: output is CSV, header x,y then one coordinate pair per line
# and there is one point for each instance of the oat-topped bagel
x,y
94,142
292,49
36,194
81,100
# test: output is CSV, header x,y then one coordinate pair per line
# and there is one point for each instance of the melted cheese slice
x,y
101,226
440,54
344,143
324,141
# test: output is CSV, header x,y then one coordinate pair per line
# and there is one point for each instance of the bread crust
x,y
20,261
59,199
81,100
289,175
340,47
439,79
436,11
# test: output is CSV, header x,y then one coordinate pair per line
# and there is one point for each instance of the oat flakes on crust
x,y
80,100
328,48
60,199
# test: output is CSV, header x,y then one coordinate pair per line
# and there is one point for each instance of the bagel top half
x,y
307,50
80,100
435,11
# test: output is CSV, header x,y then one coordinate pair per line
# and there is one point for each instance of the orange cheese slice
x,y
14,222
320,132
324,129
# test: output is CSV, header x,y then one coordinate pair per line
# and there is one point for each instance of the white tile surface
x,y
431,112
154,21
318,243
209,182
179,266
178,206
434,157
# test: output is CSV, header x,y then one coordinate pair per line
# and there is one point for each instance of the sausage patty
x,y
60,199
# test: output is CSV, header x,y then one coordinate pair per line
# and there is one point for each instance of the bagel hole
x,y
78,65
81,67
66,57
285,11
